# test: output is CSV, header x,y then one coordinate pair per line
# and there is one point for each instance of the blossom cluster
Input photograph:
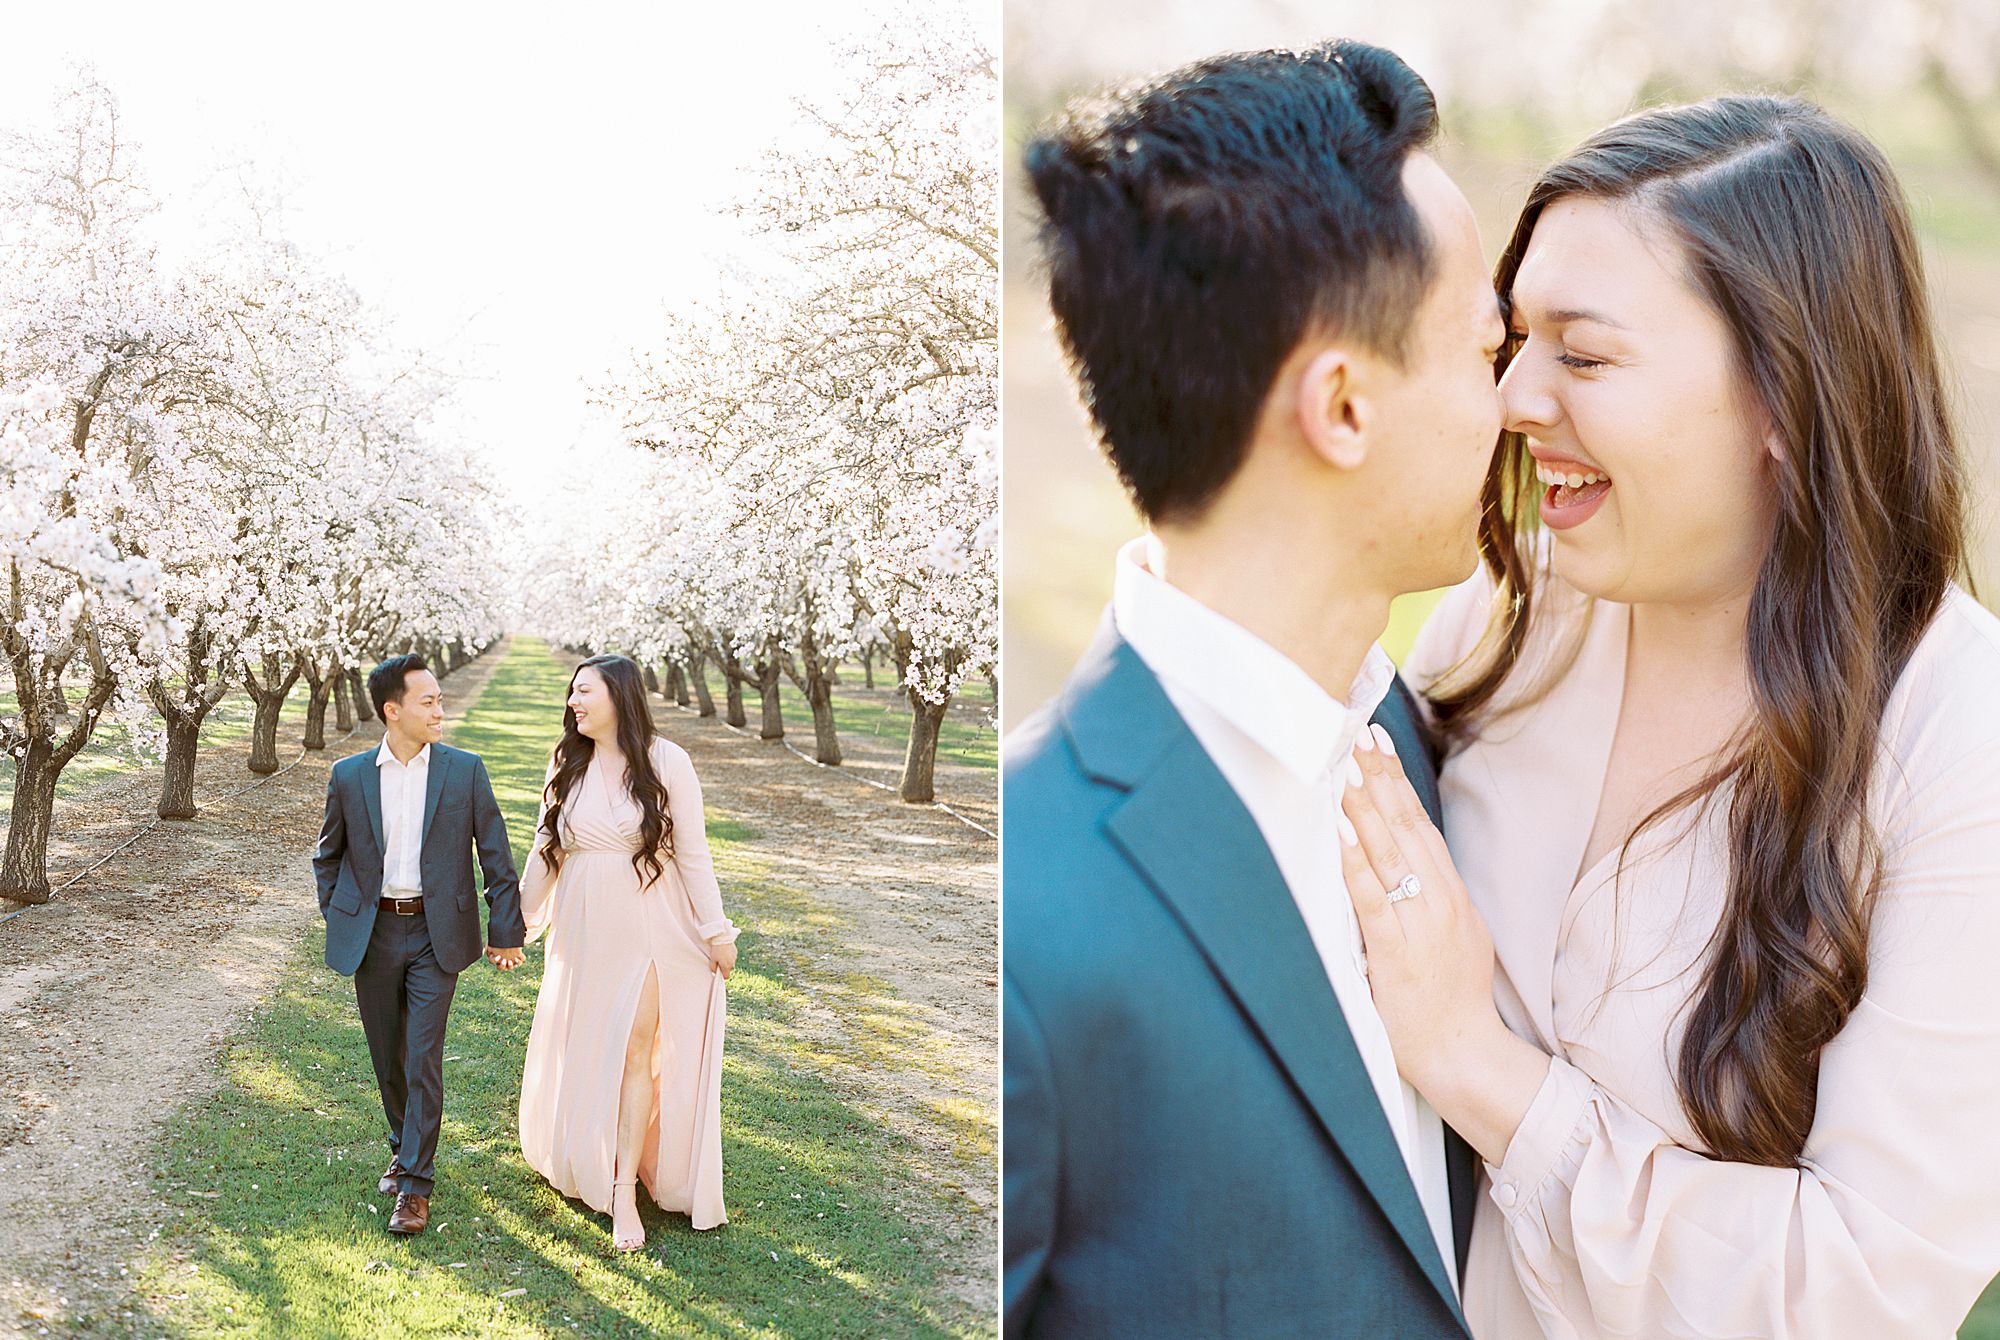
x,y
811,465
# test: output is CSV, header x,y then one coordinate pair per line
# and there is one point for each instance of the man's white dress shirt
x,y
1283,742
403,787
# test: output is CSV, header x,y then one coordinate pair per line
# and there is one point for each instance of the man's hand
x,y
506,960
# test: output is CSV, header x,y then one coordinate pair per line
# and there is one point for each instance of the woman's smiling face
x,y
590,702
1628,375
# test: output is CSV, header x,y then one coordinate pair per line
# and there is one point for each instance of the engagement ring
x,y
1410,887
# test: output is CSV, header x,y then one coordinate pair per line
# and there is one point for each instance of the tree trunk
x,y
320,692
269,698
814,675
1963,112
677,684
316,701
264,732
698,673
357,685
868,666
343,704
184,709
24,875
769,675
733,680
24,872
826,744
920,763
177,791
650,678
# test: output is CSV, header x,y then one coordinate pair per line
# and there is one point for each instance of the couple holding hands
x,y
1626,973
622,1082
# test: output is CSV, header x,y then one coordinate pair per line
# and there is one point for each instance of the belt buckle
x,y
407,907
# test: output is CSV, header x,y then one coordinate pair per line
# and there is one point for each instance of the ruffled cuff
x,y
722,932
1552,1120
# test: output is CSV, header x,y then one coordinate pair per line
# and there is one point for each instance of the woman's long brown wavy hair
x,y
1792,226
575,751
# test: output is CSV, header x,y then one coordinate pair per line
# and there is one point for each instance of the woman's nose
x,y
1527,404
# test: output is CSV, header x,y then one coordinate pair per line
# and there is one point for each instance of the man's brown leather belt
x,y
403,907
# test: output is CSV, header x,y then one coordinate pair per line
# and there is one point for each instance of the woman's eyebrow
x,y
1512,308
1563,316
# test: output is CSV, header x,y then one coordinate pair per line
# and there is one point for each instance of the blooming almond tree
x,y
894,212
65,577
210,475
238,523
842,400
89,332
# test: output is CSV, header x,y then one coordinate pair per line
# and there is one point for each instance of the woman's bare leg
x,y
635,1114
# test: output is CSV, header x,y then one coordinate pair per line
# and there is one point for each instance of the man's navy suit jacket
x,y
1192,1145
460,815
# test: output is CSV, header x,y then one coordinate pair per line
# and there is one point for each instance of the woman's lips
x,y
1564,507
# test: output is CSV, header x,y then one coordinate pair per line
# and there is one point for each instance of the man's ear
x,y
1334,418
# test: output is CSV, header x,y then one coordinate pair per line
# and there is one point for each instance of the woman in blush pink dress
x,y
623,1082
1723,769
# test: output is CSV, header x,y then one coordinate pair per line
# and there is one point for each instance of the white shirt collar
x,y
1239,676
384,756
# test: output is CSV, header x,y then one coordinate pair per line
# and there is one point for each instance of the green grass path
x,y
1984,1323
820,1243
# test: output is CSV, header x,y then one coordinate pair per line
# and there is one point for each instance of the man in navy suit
x,y
1275,304
394,868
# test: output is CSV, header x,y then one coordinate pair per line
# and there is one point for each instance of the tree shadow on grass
x,y
817,1245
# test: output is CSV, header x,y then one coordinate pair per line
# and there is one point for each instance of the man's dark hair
x,y
385,681
1198,226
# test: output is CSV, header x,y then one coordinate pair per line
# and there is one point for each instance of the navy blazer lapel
x,y
1398,715
1189,834
1417,750
371,800
433,788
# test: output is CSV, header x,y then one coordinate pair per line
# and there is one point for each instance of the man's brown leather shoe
x,y
390,1177
412,1214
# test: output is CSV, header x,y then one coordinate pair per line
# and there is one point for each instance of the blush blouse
x,y
1606,1216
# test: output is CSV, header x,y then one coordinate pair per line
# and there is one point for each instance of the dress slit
x,y
647,1170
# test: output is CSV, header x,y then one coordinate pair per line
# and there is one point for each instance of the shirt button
x,y
1504,1193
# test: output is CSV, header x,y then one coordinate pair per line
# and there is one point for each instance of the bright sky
x,y
524,195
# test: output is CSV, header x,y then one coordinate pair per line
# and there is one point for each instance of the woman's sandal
x,y
634,1237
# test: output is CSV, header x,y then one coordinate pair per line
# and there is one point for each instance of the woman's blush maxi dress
x,y
606,932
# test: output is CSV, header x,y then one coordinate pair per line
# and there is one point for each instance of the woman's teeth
x,y
1573,479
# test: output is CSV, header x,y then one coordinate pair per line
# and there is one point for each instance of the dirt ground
x,y
114,999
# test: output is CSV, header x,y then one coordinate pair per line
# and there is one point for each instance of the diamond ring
x,y
1409,888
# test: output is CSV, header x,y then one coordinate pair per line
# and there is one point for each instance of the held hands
x,y
723,958
506,960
